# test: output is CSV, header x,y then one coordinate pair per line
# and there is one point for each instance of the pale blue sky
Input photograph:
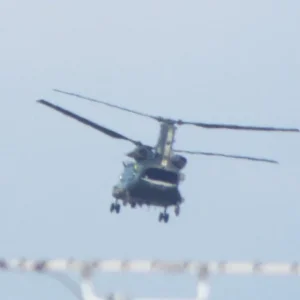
x,y
218,61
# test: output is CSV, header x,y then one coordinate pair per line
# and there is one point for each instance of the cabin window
x,y
161,175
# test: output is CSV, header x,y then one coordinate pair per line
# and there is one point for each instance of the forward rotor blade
x,y
228,156
239,127
180,122
108,104
98,127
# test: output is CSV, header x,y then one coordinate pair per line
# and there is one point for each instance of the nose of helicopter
x,y
118,191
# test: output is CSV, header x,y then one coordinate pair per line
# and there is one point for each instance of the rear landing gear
x,y
163,217
115,207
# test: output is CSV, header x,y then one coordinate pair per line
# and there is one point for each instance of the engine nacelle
x,y
141,153
179,161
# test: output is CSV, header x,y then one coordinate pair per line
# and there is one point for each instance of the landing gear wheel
x,y
112,207
115,207
177,210
163,217
166,218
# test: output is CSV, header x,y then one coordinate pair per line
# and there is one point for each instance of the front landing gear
x,y
115,207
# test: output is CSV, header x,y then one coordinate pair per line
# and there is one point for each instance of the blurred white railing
x,y
200,269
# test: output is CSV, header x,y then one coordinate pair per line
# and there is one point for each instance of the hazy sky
x,y
218,61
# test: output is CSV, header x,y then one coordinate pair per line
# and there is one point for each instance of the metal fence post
x,y
203,288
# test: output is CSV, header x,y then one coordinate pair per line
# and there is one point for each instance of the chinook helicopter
x,y
153,175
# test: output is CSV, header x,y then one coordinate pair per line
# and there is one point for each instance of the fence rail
x,y
200,269
145,266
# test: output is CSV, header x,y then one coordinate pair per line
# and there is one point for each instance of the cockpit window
x,y
161,175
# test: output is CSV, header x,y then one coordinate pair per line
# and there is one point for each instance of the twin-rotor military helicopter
x,y
154,175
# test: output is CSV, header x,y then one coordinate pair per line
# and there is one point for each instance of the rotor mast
x,y
165,142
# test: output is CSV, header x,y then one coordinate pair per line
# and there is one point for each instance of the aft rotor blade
x,y
87,122
228,156
108,104
239,127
